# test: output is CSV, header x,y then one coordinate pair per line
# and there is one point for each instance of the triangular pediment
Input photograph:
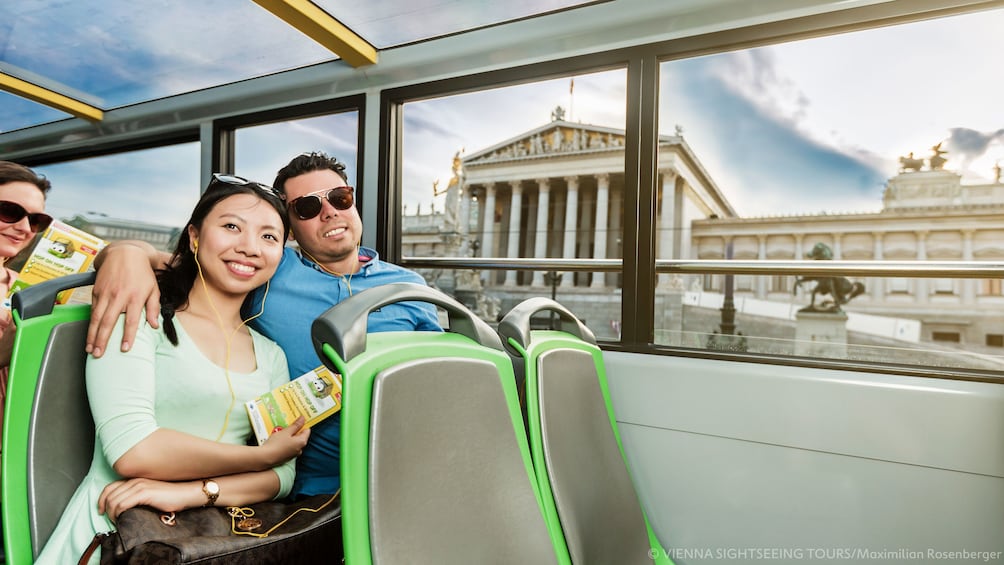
x,y
556,137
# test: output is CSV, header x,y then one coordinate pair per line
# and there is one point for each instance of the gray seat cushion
x,y
448,482
596,501
61,432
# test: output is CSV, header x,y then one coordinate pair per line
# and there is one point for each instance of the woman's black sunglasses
x,y
309,205
219,178
12,213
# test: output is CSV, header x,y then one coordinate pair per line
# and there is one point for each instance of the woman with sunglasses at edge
x,y
328,266
22,199
171,429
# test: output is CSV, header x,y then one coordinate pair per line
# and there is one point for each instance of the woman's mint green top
x,y
157,385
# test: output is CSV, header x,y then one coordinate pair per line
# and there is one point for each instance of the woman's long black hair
x,y
176,280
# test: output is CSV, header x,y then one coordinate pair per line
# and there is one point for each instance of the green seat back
x,y
435,465
577,453
48,433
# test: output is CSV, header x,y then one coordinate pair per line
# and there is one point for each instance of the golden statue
x,y
936,161
910,163
454,180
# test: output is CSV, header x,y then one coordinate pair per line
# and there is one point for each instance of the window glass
x,y
528,171
850,147
264,149
146,194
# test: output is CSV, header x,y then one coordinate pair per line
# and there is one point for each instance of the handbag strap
x,y
235,513
94,545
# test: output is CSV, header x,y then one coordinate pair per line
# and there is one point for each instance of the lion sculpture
x,y
840,289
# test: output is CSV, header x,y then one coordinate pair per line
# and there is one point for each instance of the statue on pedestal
x,y
840,289
452,191
936,161
910,163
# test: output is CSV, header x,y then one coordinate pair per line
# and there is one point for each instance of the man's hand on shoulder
x,y
125,283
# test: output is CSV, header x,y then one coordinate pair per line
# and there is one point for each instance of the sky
x,y
118,52
820,124
805,127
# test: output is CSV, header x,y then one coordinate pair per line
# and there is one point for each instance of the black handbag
x,y
307,531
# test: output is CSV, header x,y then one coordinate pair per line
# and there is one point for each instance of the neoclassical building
x,y
557,191
926,215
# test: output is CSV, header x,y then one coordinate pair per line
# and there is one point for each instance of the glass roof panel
x,y
17,113
388,24
120,52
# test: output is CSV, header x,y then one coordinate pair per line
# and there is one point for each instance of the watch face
x,y
212,487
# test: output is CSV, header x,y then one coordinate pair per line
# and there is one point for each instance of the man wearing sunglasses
x,y
328,266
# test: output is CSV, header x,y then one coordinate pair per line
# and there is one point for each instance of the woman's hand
x,y
165,496
286,443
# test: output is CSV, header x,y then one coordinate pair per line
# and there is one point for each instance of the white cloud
x,y
892,90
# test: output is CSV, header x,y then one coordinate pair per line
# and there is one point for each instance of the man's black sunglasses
x,y
309,205
12,213
220,178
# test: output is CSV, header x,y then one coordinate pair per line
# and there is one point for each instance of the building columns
x,y
602,221
968,285
540,241
921,284
515,211
669,223
878,292
571,223
488,230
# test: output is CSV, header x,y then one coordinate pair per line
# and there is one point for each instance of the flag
x,y
571,86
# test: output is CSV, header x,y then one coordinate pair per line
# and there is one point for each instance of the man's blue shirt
x,y
301,291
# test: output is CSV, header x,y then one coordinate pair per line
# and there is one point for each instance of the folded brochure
x,y
315,395
61,250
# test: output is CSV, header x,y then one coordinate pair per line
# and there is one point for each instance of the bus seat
x,y
435,464
48,433
576,449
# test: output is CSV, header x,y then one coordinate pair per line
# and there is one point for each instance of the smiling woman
x,y
22,205
169,414
22,201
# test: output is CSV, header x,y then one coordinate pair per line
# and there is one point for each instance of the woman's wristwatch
x,y
212,490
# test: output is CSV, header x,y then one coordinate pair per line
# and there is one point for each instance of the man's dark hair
x,y
12,172
305,163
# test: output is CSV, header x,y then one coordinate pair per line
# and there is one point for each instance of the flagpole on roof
x,y
571,99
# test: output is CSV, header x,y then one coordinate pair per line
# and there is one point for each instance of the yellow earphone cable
x,y
348,280
219,319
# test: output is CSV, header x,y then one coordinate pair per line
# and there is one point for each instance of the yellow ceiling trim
x,y
324,29
52,99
